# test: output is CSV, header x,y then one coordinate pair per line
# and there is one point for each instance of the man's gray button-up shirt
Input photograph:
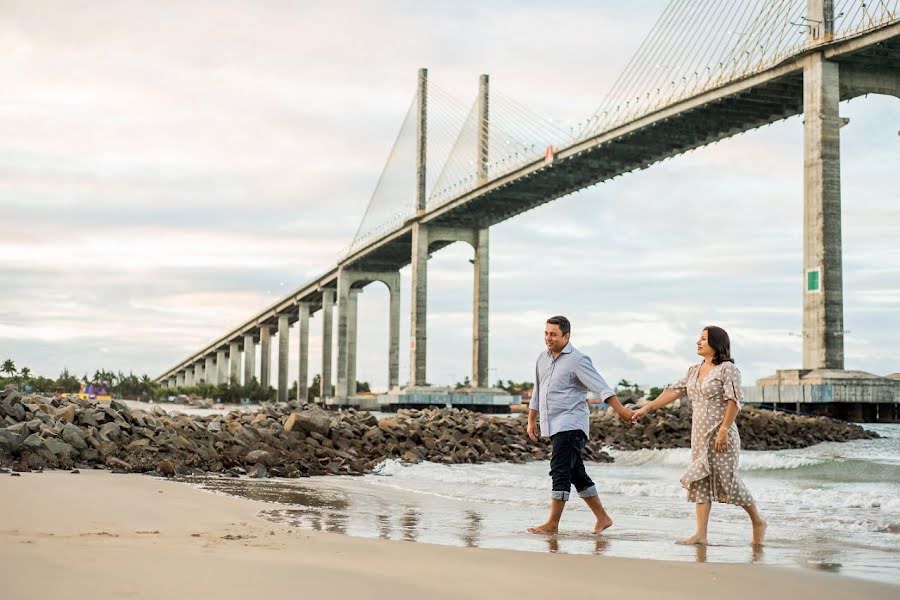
x,y
560,390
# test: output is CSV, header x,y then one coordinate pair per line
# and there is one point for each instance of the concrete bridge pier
x,y
350,284
234,362
221,366
425,238
249,358
209,369
303,351
823,303
480,308
327,344
265,357
179,379
198,372
284,333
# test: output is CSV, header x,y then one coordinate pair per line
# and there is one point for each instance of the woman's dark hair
x,y
717,338
561,322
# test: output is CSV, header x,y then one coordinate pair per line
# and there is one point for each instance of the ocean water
x,y
833,507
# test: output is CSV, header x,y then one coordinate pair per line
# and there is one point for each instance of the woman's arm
x,y
668,396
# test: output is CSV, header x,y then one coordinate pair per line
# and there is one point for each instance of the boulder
x,y
259,456
71,434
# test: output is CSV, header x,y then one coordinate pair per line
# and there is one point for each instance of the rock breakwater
x,y
38,432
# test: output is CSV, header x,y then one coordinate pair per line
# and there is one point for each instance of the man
x,y
563,375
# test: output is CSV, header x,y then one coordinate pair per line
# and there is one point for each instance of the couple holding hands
x,y
563,375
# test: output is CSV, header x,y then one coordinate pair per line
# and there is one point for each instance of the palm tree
x,y
9,367
26,373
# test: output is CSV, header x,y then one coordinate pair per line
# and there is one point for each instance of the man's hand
x,y
532,432
625,413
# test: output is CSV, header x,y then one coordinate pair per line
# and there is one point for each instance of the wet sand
x,y
99,535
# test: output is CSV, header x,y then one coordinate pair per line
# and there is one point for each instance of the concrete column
x,y
394,332
820,20
351,341
823,305
421,140
480,311
209,369
249,358
234,363
343,306
418,305
265,357
198,372
284,337
179,379
303,352
221,367
189,376
481,168
327,310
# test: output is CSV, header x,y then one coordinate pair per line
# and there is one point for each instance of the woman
x,y
714,389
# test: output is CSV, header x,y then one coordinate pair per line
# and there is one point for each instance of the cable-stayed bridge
x,y
708,70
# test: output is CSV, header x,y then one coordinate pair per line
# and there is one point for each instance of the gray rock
x,y
58,447
116,463
258,471
34,442
71,434
259,456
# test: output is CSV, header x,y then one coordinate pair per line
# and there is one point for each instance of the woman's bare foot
x,y
759,533
602,524
693,540
546,528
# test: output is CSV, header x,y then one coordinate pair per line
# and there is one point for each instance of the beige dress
x,y
712,476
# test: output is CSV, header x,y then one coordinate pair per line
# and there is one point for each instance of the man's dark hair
x,y
562,323
717,338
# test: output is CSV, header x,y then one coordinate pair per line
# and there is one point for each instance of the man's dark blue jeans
x,y
566,466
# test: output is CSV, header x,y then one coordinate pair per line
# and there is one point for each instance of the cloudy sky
x,y
167,169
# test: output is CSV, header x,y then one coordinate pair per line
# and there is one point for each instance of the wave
x,y
504,483
681,457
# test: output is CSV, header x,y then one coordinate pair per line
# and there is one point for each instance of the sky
x,y
169,169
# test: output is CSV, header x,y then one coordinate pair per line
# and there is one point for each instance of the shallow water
x,y
831,507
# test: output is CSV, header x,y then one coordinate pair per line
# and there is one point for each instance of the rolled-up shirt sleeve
x,y
592,380
535,403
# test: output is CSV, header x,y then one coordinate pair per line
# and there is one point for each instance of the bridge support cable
x,y
423,144
699,45
498,136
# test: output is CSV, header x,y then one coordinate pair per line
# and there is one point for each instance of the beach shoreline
x,y
102,535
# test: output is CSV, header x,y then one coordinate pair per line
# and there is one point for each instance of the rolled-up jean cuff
x,y
559,495
588,492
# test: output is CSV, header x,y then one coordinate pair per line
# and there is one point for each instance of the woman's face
x,y
703,348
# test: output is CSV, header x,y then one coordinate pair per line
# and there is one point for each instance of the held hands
x,y
625,413
639,413
721,444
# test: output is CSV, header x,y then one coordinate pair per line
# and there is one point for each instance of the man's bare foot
x,y
693,540
546,528
759,533
602,524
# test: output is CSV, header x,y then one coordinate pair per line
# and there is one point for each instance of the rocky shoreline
x,y
38,432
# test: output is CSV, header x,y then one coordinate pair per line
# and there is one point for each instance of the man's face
x,y
555,339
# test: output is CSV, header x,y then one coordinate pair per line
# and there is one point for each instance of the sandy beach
x,y
101,535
